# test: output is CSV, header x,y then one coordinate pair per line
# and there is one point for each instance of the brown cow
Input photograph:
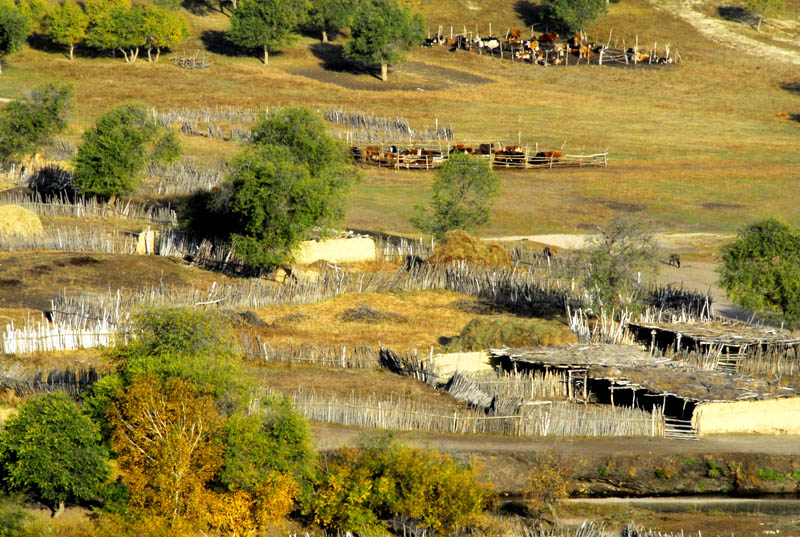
x,y
460,148
548,38
370,153
516,34
575,41
548,156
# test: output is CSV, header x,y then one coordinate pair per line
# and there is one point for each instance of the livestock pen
x,y
431,155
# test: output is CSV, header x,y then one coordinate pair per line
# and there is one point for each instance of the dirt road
x,y
328,437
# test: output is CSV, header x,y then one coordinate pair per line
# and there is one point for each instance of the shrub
x,y
548,482
363,488
113,153
462,195
30,123
53,452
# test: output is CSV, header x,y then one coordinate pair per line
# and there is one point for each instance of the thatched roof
x,y
723,334
629,367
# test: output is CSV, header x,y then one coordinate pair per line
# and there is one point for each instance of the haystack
x,y
18,222
495,332
460,246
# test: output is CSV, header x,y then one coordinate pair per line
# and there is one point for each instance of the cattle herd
x,y
500,156
549,49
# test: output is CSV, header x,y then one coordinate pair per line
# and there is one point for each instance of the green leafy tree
x,y
330,16
265,24
29,123
617,260
36,11
577,14
275,440
54,452
122,28
764,9
760,270
381,32
292,178
163,29
463,191
14,29
67,24
113,153
99,9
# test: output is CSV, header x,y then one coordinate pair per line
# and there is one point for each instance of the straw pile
x,y
18,222
459,246
510,331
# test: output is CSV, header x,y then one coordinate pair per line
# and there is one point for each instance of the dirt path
x,y
328,437
728,33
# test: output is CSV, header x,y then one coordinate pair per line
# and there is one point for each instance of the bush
x,y
29,123
462,194
482,334
760,270
53,452
548,482
364,488
114,152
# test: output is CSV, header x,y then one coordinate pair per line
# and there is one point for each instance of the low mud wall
x,y
770,416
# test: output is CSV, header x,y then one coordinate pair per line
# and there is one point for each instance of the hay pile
x,y
480,334
18,222
459,246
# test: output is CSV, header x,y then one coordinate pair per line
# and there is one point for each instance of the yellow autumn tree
x,y
165,436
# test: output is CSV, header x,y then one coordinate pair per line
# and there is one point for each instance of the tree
x,y
163,29
14,29
576,14
616,261
381,32
113,152
293,177
330,16
764,9
120,28
66,25
760,270
164,434
29,123
54,452
265,24
462,196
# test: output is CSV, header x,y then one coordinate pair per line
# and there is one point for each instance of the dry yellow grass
x,y
427,316
18,222
457,245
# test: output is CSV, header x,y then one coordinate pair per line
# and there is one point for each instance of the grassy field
x,y
696,146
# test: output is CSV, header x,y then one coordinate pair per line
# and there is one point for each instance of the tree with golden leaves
x,y
165,435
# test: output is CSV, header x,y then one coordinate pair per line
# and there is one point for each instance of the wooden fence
x,y
22,382
90,208
45,336
427,156
536,419
181,178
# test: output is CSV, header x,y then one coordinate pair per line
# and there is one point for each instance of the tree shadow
x,y
736,14
200,7
791,87
332,59
42,43
538,16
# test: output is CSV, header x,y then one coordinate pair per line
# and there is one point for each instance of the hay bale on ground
x,y
460,246
480,334
18,222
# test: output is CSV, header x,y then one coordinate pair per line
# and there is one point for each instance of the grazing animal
x,y
575,41
485,149
783,115
549,38
460,148
370,153
675,260
549,156
490,43
516,33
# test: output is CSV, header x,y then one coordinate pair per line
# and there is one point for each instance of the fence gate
x,y
680,429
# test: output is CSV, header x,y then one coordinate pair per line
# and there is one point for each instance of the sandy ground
x,y
730,33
